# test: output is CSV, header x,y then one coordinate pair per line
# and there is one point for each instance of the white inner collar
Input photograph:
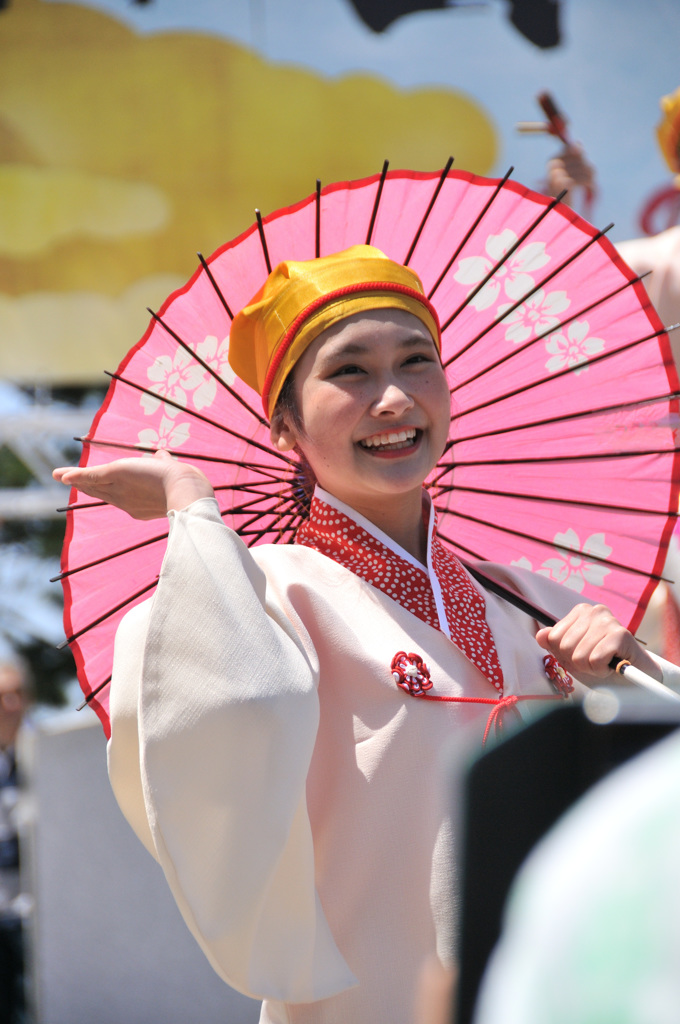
x,y
391,545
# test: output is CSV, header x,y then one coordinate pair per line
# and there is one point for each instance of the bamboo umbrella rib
x,y
199,416
93,693
471,230
433,200
552,545
208,368
532,291
553,329
108,614
376,204
261,468
542,498
582,414
206,267
594,360
505,257
263,241
530,460
317,219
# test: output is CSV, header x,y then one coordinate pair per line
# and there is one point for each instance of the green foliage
x,y
41,539
51,670
13,473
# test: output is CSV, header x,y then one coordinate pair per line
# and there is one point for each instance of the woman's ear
x,y
281,432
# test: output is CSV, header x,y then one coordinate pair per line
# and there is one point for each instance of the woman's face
x,y
375,408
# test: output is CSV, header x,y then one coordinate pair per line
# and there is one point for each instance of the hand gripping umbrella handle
x,y
618,665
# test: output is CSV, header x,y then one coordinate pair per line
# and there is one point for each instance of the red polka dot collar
x,y
441,594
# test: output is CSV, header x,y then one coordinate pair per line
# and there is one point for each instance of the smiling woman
x,y
278,713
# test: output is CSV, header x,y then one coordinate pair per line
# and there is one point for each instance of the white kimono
x,y
289,788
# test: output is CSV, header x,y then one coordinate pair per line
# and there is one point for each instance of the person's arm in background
x,y
570,170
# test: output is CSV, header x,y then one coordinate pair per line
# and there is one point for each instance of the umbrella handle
x,y
640,678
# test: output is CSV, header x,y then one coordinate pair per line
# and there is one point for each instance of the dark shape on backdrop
x,y
537,20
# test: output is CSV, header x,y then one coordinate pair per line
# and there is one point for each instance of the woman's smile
x,y
394,440
394,443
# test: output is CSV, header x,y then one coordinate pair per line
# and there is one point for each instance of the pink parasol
x,y
562,454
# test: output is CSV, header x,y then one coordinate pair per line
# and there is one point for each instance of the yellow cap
x,y
299,300
668,131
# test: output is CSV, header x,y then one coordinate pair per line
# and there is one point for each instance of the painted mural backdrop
x,y
122,154
133,135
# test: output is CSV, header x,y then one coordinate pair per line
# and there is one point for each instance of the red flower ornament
x,y
410,672
560,679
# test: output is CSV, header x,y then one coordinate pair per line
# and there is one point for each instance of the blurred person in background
x,y
659,253
15,687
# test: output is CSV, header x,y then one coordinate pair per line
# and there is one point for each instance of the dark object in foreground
x,y
514,794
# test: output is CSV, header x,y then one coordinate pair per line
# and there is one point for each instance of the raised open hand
x,y
145,488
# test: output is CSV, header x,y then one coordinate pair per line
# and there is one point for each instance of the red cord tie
x,y
410,672
495,719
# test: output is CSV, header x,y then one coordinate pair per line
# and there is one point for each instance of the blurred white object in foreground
x,y
592,928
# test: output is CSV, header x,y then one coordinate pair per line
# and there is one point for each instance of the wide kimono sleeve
x,y
214,711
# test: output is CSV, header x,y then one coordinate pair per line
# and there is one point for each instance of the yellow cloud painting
x,y
41,207
122,155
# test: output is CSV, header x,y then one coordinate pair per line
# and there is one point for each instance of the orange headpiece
x,y
668,131
299,300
